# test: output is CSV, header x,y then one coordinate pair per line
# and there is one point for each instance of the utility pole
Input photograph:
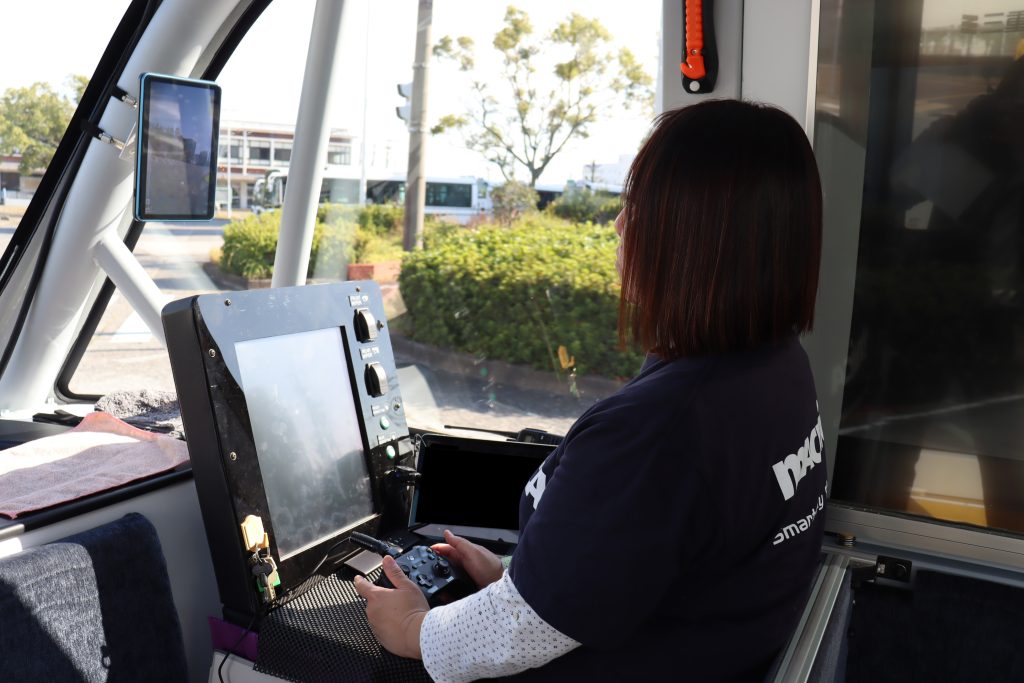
x,y
416,180
366,90
229,173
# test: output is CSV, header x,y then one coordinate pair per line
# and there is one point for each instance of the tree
x,y
33,121
529,127
512,200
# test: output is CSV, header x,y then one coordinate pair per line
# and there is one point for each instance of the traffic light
x,y
405,111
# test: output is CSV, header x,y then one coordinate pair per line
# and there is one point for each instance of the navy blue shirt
x,y
676,530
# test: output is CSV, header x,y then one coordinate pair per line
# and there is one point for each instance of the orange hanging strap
x,y
693,66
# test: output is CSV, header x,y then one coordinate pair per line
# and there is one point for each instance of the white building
x,y
256,148
611,175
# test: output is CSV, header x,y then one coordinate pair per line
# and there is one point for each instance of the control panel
x,y
376,375
291,403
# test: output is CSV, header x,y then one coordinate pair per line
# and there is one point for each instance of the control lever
x,y
375,545
403,475
396,488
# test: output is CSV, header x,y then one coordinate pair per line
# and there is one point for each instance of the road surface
x,y
124,355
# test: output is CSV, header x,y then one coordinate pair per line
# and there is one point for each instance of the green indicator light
x,y
390,450
385,423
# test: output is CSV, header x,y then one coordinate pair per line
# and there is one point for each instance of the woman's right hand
x,y
483,566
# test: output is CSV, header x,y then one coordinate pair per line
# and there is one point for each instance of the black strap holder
x,y
892,568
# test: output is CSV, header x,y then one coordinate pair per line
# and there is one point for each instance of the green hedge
x,y
518,293
581,204
342,235
250,245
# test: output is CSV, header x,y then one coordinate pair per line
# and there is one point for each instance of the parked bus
x,y
456,198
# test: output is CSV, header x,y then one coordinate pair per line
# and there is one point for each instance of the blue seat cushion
x,y
95,606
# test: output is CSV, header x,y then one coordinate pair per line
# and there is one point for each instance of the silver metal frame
x,y
799,656
987,548
812,68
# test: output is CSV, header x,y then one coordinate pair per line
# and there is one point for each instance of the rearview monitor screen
x,y
306,430
176,175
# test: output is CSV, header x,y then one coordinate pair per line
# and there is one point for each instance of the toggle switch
x,y
376,379
366,325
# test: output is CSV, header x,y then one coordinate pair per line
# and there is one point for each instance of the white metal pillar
x,y
309,151
131,279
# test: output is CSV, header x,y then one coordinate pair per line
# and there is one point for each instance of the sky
x,y
263,79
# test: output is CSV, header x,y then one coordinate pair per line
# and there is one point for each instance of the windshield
x,y
503,316
39,94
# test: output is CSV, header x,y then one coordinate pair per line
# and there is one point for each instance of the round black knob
x,y
442,568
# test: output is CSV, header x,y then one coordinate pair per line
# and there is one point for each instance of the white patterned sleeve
x,y
488,634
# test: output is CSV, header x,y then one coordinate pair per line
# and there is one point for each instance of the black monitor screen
x,y
306,431
176,174
475,486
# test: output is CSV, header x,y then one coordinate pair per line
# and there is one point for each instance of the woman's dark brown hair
x,y
722,236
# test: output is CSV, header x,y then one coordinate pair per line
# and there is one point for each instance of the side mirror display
x,y
176,172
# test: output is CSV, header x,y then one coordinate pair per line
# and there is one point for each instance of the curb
x,y
502,373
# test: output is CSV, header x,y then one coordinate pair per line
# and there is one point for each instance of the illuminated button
x,y
366,325
385,423
390,450
376,379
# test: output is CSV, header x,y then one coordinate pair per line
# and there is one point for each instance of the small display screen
x,y
306,430
470,488
177,165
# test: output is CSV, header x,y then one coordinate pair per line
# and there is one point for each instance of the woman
x,y
674,533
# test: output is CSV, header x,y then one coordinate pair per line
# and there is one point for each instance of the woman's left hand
x,y
395,614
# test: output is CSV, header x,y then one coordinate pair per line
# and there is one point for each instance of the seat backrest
x,y
95,606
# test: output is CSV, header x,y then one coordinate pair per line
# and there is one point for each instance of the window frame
x,y
62,389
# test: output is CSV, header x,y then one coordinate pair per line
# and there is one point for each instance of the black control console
x,y
440,580
296,430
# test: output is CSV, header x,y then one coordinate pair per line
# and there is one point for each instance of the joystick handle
x,y
374,545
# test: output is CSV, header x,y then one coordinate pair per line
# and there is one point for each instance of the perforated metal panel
x,y
323,635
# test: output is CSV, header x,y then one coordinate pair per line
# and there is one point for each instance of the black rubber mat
x,y
946,628
323,635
